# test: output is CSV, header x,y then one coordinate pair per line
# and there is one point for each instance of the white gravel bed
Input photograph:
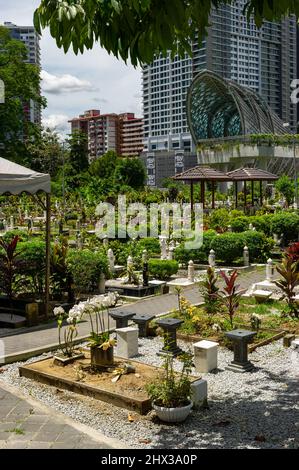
x,y
259,409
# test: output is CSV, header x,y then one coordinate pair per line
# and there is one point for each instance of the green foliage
x,y
228,247
210,292
199,255
130,172
139,30
22,84
240,224
10,264
152,246
288,282
172,390
78,157
220,220
104,166
46,153
258,244
163,269
287,225
86,266
33,257
21,234
286,188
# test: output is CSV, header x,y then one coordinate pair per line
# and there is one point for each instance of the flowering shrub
x,y
70,332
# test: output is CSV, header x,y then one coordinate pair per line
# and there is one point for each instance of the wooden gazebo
x,y
203,175
246,175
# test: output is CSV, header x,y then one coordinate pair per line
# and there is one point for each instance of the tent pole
x,y
48,253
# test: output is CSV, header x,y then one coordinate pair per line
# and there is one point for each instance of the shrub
x,y
240,224
287,225
152,245
293,252
219,220
21,234
262,223
163,269
258,244
86,266
199,255
33,256
228,247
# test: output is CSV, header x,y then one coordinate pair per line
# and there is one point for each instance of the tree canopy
x,y
22,84
140,29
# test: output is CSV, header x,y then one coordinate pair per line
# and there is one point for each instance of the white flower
x,y
58,311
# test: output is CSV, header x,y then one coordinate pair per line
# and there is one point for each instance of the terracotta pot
x,y
101,358
173,415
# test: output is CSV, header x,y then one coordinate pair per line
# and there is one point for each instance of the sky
x,y
73,84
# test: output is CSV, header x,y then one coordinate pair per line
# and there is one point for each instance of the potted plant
x,y
101,345
170,394
67,348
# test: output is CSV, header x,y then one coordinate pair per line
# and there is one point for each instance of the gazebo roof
x,y
201,173
15,179
251,174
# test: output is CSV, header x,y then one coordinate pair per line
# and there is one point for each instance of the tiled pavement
x,y
27,424
46,339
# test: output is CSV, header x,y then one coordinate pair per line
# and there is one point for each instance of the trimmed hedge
x,y
228,247
240,224
286,225
199,255
162,269
86,266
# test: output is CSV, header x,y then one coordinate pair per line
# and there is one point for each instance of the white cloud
x,y
58,122
63,84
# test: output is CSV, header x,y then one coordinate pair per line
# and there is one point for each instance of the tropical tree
x,y
140,29
130,172
22,84
46,154
78,157
286,188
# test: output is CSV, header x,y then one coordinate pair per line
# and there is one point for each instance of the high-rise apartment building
x,y
131,135
264,60
31,39
121,133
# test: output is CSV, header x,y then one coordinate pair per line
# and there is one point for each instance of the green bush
x,y
22,234
33,257
240,224
220,220
258,244
199,255
85,267
286,225
152,245
228,247
163,269
262,223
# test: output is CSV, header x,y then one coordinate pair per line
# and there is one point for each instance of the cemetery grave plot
x,y
128,392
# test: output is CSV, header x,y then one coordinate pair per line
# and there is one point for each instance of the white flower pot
x,y
173,415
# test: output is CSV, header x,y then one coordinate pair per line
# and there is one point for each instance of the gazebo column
x,y
261,193
236,193
252,193
245,194
192,196
203,193
213,194
48,253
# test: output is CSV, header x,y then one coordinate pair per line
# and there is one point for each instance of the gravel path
x,y
254,410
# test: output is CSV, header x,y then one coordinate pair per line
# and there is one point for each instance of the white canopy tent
x,y
16,179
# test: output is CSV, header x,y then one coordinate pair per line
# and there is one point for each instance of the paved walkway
x,y
27,424
23,346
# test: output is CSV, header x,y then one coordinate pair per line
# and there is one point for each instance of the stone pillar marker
x,y
145,273
111,260
102,283
270,271
171,253
205,356
142,320
11,222
127,342
240,339
191,271
121,318
163,246
170,326
199,394
246,256
212,259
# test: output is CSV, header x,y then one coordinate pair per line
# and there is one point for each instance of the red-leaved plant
x,y
10,264
231,294
293,252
